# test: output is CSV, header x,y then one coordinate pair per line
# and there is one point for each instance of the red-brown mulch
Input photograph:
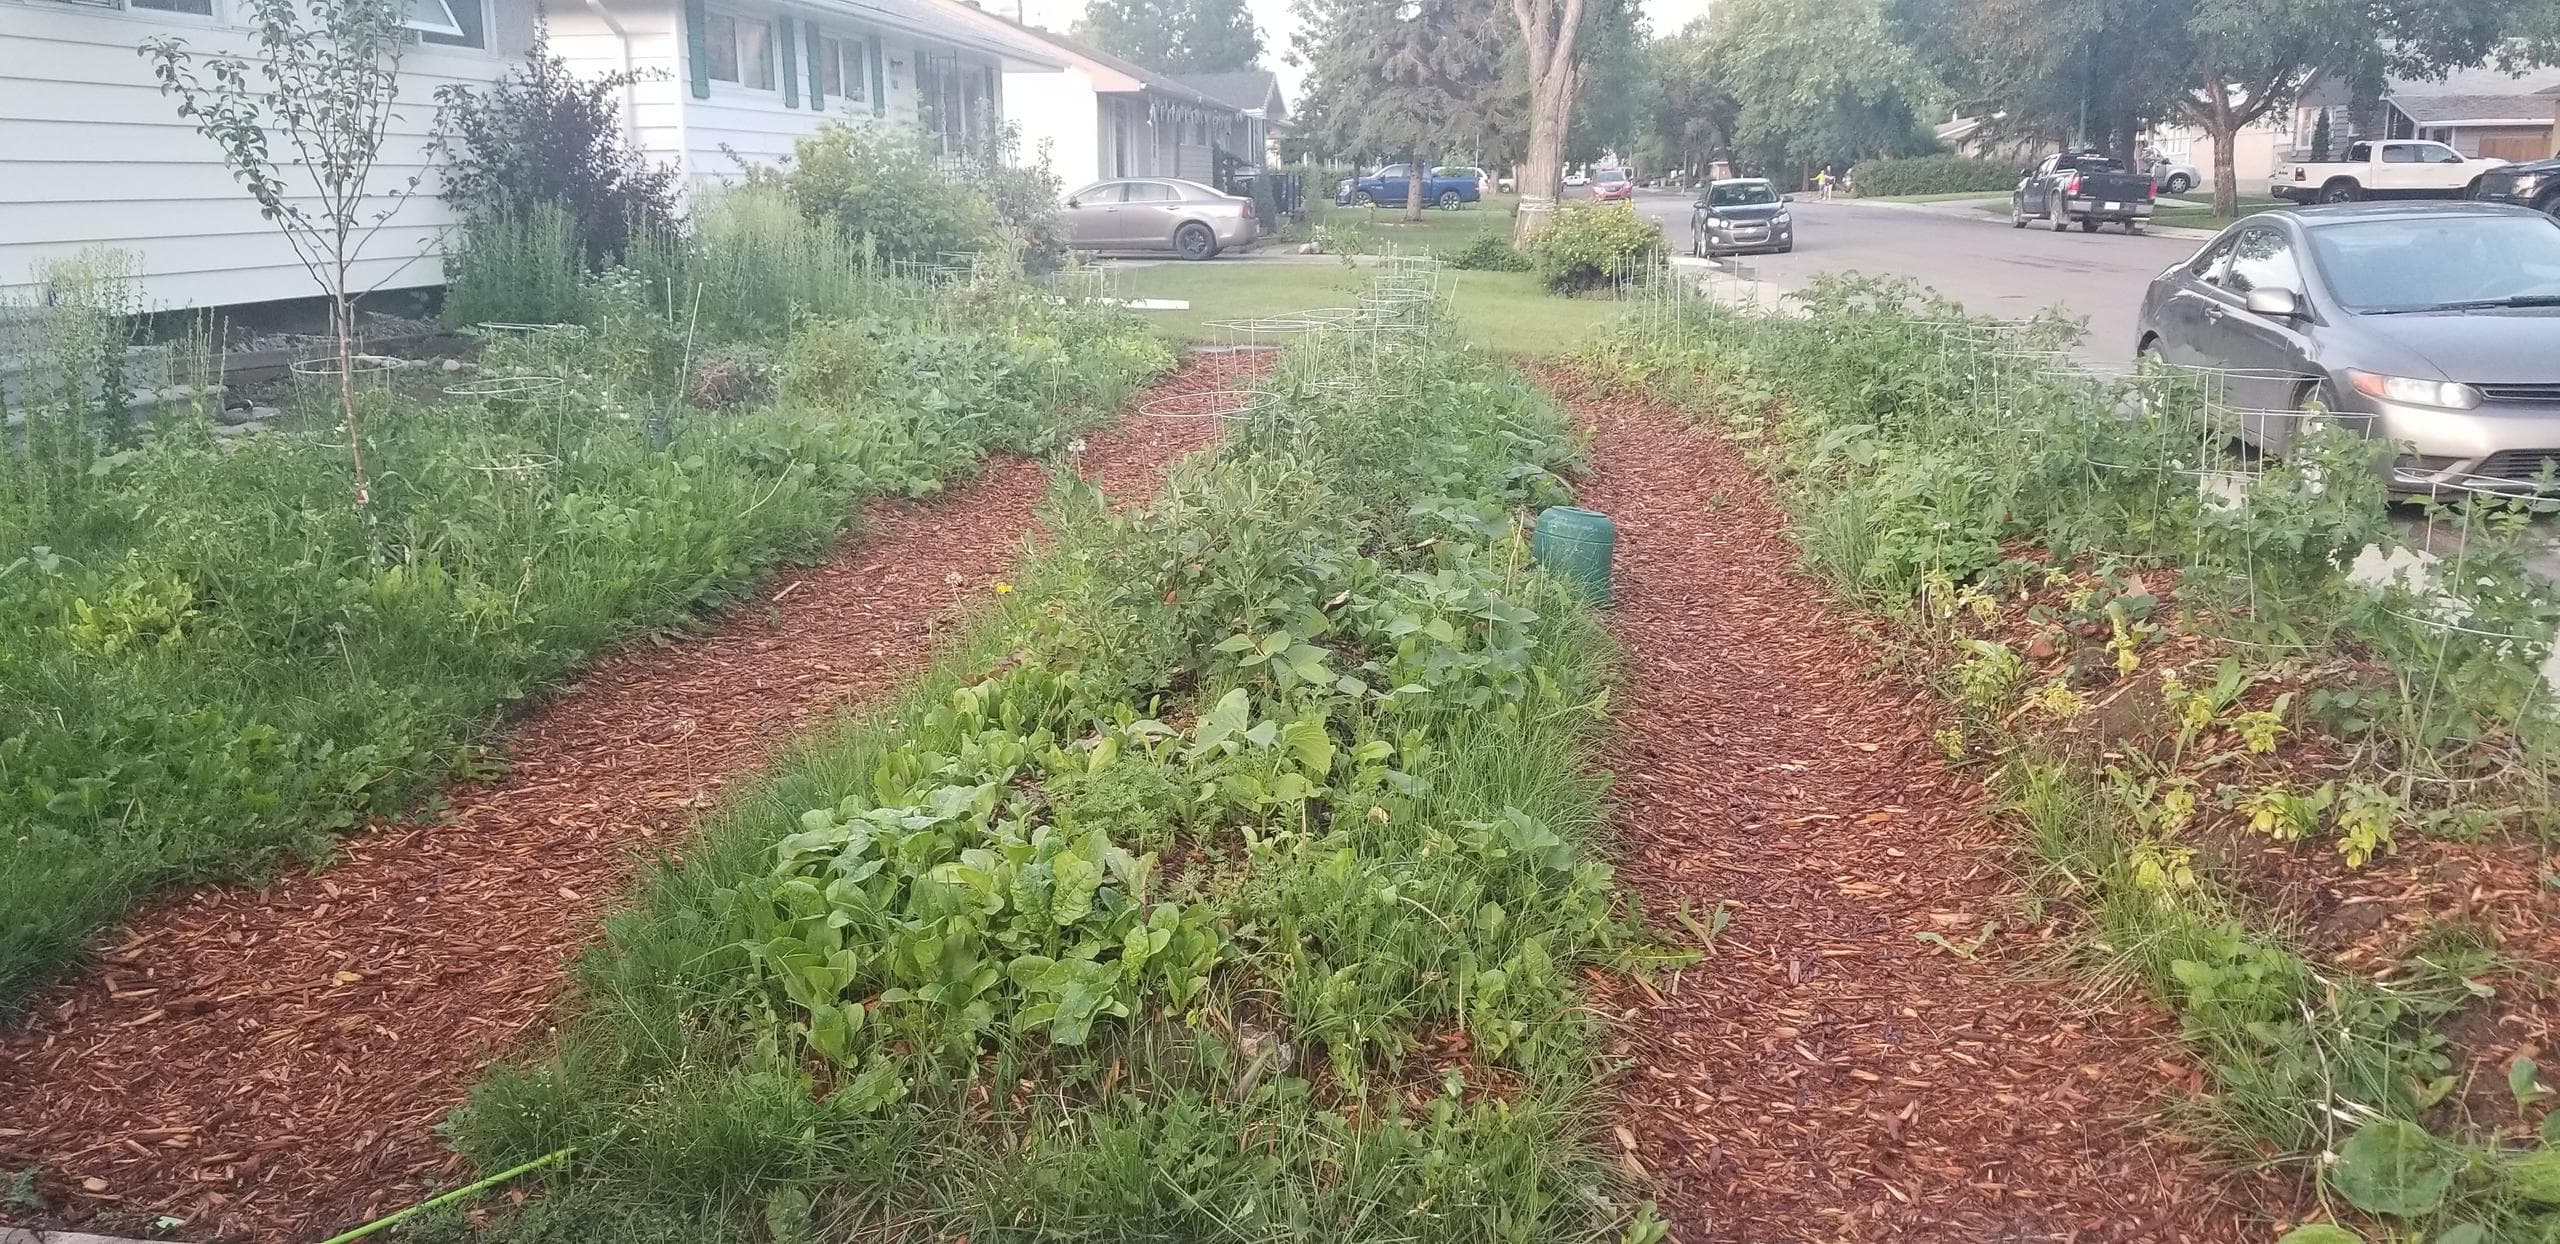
x,y
1826,1074
269,1063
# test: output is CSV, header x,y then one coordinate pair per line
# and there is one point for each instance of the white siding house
x,y
91,154
1105,117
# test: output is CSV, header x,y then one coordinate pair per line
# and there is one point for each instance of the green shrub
x,y
548,135
1490,254
1937,174
516,265
1590,245
885,188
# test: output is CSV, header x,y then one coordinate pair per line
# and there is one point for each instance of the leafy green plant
x,y
1932,174
1490,254
1587,246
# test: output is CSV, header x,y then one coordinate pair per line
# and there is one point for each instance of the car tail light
x,y
2074,187
1248,209
2155,190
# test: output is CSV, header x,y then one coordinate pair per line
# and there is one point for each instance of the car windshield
x,y
2439,263
1611,175
1741,194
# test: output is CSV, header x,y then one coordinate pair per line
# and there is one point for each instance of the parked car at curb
x,y
2435,326
2535,185
1392,183
1191,220
1612,185
1577,178
2402,169
1740,215
2174,176
2083,188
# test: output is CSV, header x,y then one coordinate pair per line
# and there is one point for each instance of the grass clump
x,y
1235,883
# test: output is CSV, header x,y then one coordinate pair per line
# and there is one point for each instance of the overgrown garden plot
x,y
212,661
2304,812
1240,884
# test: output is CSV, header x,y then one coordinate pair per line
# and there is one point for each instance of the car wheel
x,y
1449,200
2017,213
2549,206
2088,224
2341,191
2179,184
2135,227
1362,198
1195,241
2058,218
1697,245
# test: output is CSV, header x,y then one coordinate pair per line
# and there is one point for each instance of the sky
x,y
1663,16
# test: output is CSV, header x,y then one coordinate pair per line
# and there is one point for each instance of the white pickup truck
x,y
2399,169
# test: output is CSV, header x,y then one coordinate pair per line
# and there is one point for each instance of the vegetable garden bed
x,y
2301,808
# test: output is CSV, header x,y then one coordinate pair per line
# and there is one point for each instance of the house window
x,y
740,49
471,16
200,8
433,17
841,65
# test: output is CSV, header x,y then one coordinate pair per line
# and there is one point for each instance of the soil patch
x,y
1870,1052
269,1063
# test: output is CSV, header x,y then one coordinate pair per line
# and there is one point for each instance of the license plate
x,y
2114,207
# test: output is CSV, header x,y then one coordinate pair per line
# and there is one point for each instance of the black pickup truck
x,y
2082,186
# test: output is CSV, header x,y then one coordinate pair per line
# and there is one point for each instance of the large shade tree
x,y
1816,82
1175,36
1408,81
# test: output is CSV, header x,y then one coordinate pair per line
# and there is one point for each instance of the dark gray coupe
x,y
2441,321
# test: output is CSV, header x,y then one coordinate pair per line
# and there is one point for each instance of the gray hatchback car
x,y
2441,321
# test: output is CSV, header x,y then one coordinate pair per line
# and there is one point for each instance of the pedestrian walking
x,y
1822,182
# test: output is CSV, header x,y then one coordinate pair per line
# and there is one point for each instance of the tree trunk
x,y
2226,175
1413,191
1553,70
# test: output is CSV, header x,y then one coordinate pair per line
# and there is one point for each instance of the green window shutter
x,y
790,58
817,71
879,81
697,57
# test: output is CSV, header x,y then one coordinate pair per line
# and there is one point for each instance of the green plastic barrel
x,y
1576,544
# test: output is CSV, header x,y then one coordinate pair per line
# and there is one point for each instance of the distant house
x,y
1104,117
2483,111
1257,93
92,155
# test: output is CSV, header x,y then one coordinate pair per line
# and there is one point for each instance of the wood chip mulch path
x,y
269,1063
1827,1075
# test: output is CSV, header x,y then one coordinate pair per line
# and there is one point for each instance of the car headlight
x,y
2525,186
1780,219
2440,393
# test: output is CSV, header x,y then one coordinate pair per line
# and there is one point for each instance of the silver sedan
x,y
1160,214
2440,321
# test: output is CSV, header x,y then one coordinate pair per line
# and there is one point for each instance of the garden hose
x,y
450,1197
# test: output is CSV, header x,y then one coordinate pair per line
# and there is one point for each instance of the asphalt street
x,y
1970,256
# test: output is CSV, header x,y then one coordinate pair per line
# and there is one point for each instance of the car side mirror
x,y
1071,201
1786,198
2274,304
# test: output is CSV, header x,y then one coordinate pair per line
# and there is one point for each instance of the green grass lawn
x,y
2203,217
1377,229
1505,312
